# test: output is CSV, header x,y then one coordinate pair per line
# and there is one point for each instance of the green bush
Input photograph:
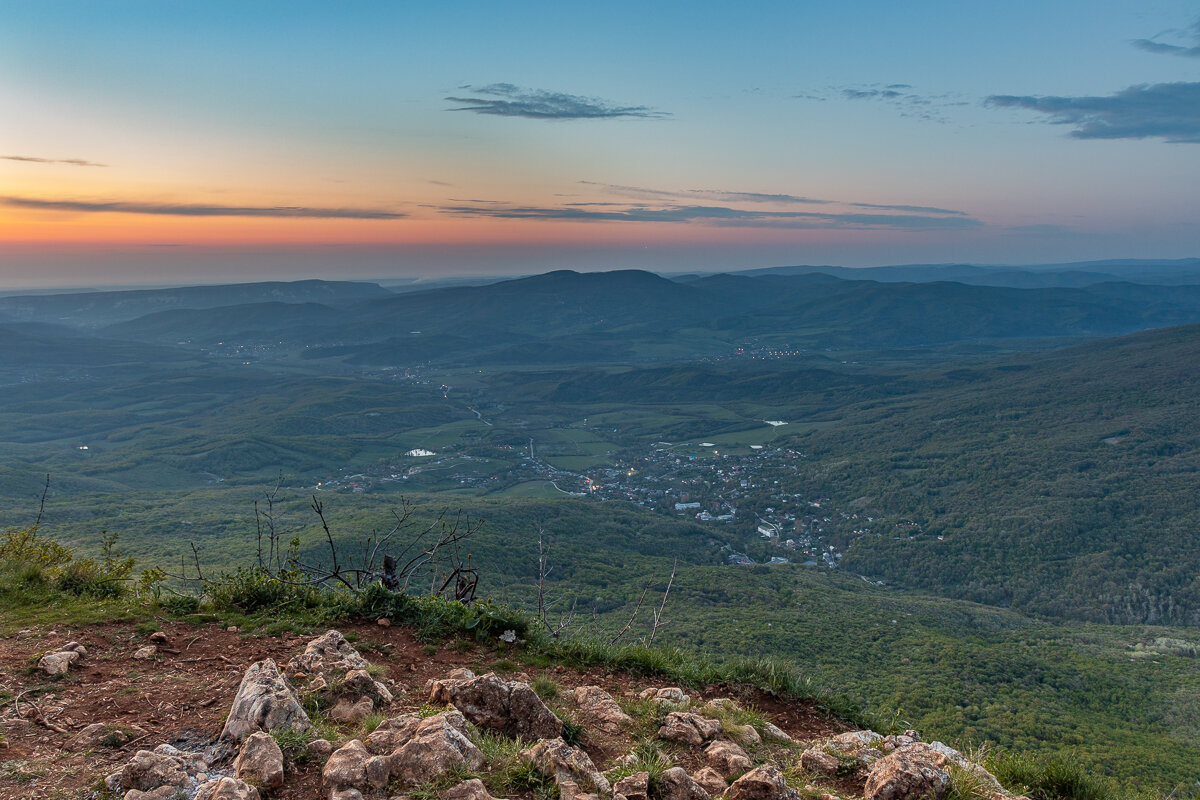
x,y
1047,777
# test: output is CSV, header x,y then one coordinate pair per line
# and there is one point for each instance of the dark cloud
x,y
507,100
73,162
1190,50
723,216
1168,111
190,210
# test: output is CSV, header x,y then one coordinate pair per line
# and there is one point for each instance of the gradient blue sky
x,y
158,142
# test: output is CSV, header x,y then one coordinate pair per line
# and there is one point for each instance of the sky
x,y
150,142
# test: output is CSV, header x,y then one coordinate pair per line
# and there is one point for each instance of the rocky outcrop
x,y
711,780
489,701
633,787
260,761
438,744
919,770
599,711
727,759
227,788
689,728
158,774
391,734
328,654
472,789
676,784
761,783
265,701
556,759
346,767
669,694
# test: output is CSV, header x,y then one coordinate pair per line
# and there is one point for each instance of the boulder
x,y
866,747
360,682
328,654
689,728
633,787
676,784
260,761
820,762
761,783
489,701
319,748
265,701
777,734
352,713
917,769
161,793
569,790
227,789
669,694
391,734
599,710
728,759
556,759
438,744
346,767
58,662
472,789
149,770
746,734
711,780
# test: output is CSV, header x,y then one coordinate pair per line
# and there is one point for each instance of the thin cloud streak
x,y
723,216
190,210
73,162
1167,111
507,100
1193,51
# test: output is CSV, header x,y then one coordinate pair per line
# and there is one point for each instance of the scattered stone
x,y
149,770
633,787
319,747
383,622
599,710
711,780
728,759
145,653
158,637
58,662
265,701
676,784
438,744
351,794
569,790
490,701
74,647
669,694
745,734
778,734
472,789
557,759
352,713
359,681
761,783
906,776
260,761
822,763
347,767
865,747
689,728
328,654
227,789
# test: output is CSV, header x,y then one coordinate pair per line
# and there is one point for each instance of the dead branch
x,y
637,609
658,615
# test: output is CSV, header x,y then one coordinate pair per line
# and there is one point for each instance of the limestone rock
x,y
676,784
260,761
557,759
438,744
906,776
728,759
669,694
158,637
489,701
822,763
58,662
328,654
864,746
633,787
227,789
761,783
472,789
346,767
360,682
145,653
347,794
149,770
569,790
599,710
265,701
319,748
689,728
777,734
746,734
352,713
711,780
392,733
